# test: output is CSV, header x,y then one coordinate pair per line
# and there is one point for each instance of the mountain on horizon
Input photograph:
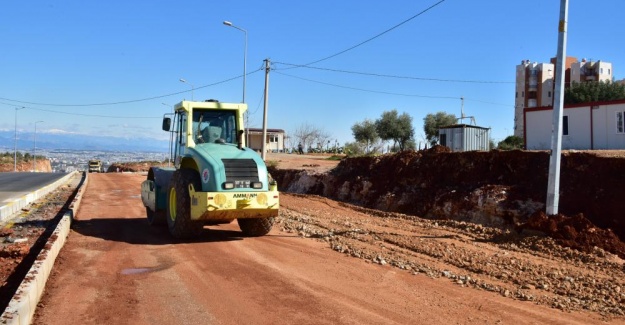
x,y
26,142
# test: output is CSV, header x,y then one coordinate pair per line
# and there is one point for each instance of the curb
x,y
22,306
10,209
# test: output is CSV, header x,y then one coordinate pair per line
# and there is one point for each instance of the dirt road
x,y
115,269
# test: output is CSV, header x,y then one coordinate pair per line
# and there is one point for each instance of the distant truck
x,y
95,166
215,178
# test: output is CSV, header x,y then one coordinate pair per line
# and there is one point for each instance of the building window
x,y
565,125
522,94
609,71
273,138
549,94
601,71
619,122
516,95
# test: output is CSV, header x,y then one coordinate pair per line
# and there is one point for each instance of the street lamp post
x,y
192,88
35,148
15,146
227,23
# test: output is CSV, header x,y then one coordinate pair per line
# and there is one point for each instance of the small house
x,y
587,126
273,143
464,137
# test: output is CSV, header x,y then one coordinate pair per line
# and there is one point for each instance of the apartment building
x,y
535,83
591,71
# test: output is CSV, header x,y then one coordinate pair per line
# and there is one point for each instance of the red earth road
x,y
115,269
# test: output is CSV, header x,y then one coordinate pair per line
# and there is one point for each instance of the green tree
x,y
510,143
433,122
593,91
354,149
365,132
392,126
411,144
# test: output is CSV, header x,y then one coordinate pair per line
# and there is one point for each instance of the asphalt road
x,y
14,185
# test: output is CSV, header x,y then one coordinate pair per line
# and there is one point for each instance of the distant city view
x,y
64,160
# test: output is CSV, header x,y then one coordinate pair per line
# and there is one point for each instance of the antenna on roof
x,y
461,108
462,117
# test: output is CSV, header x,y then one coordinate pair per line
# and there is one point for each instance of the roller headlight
x,y
220,199
261,199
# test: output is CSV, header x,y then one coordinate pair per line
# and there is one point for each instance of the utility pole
x,y
553,186
267,69
15,145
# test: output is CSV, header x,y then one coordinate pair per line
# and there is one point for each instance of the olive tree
x,y
510,143
433,122
395,127
365,132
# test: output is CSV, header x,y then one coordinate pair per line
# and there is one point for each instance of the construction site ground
x,y
327,261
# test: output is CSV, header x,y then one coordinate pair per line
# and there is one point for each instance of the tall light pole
x,y
15,147
192,88
227,23
35,148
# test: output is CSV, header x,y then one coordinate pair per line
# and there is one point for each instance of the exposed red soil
x,y
576,232
42,165
477,186
449,271
134,167
324,262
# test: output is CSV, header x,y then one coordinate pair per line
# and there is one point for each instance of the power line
x,y
378,35
94,115
365,90
124,102
385,92
81,114
396,76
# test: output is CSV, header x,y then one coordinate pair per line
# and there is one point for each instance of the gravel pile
x,y
526,267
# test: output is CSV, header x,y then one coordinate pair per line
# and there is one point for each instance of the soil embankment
x,y
40,165
496,188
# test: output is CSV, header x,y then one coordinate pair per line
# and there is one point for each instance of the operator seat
x,y
211,132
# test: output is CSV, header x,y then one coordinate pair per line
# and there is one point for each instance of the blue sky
x,y
107,67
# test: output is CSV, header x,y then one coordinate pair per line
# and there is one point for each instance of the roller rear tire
x,y
256,227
